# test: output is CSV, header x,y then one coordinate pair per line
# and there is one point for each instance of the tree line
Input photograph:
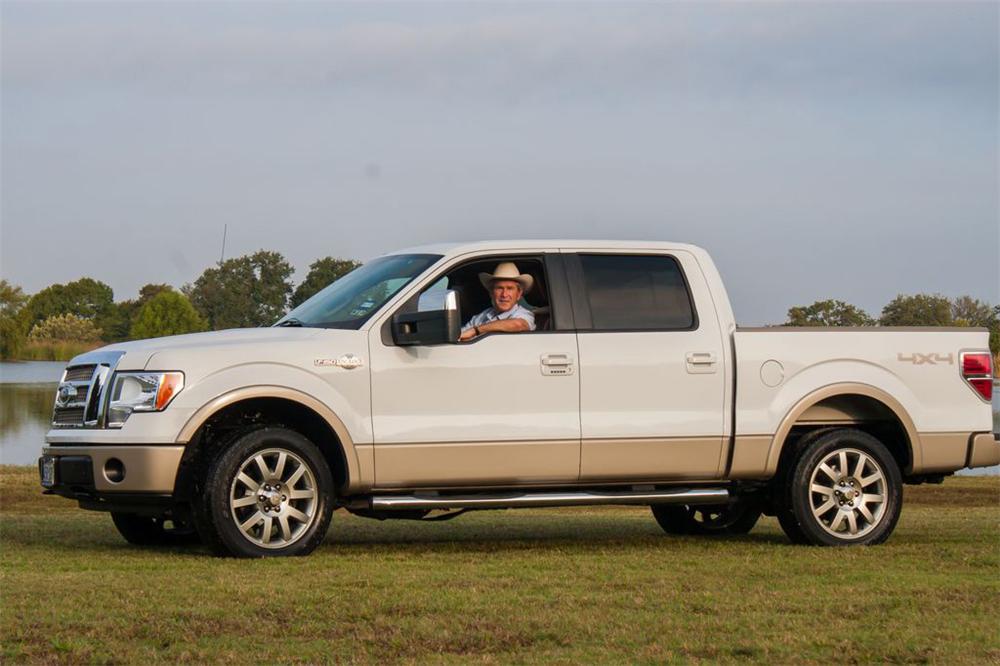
x,y
904,310
257,289
62,320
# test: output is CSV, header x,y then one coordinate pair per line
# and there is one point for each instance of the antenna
x,y
223,255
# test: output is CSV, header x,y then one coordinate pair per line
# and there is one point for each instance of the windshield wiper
x,y
290,322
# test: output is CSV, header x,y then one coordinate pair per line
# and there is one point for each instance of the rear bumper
x,y
984,450
85,469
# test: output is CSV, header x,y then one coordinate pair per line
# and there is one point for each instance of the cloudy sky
x,y
817,150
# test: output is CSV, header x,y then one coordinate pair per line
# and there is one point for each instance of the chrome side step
x,y
515,500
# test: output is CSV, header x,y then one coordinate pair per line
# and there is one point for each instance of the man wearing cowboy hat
x,y
506,286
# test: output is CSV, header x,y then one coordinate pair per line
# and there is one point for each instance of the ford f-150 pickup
x,y
636,387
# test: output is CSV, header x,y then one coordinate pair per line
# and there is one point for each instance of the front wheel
x,y
845,489
268,494
707,520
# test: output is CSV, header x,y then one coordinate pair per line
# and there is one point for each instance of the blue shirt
x,y
491,314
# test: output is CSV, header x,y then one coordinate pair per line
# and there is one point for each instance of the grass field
x,y
557,586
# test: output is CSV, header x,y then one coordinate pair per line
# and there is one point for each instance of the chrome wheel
x,y
847,493
273,498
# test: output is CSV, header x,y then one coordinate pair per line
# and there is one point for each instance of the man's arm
x,y
512,325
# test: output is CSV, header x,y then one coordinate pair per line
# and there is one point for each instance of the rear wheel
x,y
269,494
709,520
845,489
153,531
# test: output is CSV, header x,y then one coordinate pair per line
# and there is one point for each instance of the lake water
x,y
28,389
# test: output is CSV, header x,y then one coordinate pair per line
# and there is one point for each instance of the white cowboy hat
x,y
507,271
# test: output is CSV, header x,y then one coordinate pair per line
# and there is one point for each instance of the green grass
x,y
556,586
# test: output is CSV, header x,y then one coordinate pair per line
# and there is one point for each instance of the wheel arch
x,y
301,411
849,405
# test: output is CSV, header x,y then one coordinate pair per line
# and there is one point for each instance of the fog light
x,y
114,470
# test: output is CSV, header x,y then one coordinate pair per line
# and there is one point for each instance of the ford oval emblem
x,y
65,394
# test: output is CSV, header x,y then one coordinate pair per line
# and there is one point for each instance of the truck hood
x,y
267,342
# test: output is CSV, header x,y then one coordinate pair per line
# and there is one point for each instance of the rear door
x,y
652,382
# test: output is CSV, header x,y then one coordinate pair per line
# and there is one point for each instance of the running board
x,y
514,500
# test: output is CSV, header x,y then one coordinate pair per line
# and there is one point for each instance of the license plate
x,y
48,471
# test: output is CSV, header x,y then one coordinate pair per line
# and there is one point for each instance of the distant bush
x,y
55,350
65,328
167,313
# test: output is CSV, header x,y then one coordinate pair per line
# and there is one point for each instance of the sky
x,y
845,150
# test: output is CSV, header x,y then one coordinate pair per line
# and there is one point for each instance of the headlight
x,y
141,392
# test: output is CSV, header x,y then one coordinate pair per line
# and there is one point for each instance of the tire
x,y
844,489
152,531
707,520
269,494
781,489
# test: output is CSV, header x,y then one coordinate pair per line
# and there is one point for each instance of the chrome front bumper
x,y
142,469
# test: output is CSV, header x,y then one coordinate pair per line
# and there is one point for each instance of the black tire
x,y
283,512
153,531
707,520
844,489
782,489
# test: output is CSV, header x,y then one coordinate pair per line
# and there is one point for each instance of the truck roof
x,y
534,244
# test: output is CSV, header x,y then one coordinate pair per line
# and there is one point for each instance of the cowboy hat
x,y
507,271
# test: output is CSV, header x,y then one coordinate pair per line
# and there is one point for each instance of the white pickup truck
x,y
636,387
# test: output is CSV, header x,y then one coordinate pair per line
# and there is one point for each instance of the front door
x,y
501,410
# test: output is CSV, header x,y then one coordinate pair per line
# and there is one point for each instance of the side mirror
x,y
429,327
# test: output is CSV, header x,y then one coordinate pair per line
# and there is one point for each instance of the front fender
x,y
346,412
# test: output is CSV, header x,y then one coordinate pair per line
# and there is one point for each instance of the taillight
x,y
977,371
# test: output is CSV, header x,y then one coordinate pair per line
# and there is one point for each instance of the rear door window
x,y
636,292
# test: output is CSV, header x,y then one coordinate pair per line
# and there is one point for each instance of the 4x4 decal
x,y
929,359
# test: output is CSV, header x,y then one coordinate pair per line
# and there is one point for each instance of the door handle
x,y
701,358
557,359
557,364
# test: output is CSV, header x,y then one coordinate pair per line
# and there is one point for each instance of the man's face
x,y
506,294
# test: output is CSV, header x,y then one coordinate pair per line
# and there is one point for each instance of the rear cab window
x,y
628,292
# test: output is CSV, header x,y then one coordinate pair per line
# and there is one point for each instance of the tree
x,y
917,310
13,331
65,328
969,311
86,298
251,290
828,313
119,326
321,273
166,313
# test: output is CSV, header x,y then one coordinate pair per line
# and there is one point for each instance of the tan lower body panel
x,y
984,450
750,457
939,452
943,451
651,458
148,469
476,463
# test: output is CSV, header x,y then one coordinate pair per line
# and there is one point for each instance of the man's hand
x,y
467,334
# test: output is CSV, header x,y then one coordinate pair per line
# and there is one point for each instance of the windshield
x,y
349,301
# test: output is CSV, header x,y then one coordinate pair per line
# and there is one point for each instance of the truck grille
x,y
80,396
68,416
79,373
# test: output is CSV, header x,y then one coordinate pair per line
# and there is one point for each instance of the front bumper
x,y
984,450
113,469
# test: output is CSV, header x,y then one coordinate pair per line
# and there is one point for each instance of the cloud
x,y
510,51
